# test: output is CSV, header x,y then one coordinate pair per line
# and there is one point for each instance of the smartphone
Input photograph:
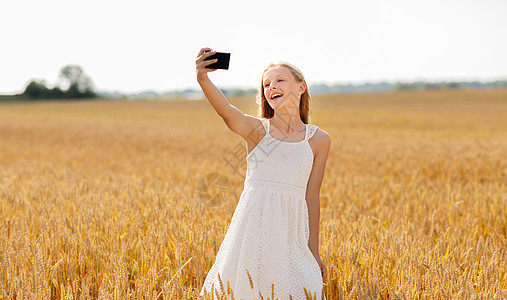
x,y
222,62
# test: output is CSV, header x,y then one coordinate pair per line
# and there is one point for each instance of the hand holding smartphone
x,y
223,59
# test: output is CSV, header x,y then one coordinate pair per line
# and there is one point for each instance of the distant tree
x,y
36,90
401,86
56,92
432,86
79,84
451,85
499,84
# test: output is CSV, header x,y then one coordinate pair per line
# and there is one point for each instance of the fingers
x,y
201,66
204,51
201,63
204,63
203,56
323,271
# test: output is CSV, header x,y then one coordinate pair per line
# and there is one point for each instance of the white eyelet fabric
x,y
269,230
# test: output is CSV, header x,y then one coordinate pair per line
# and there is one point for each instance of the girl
x,y
273,238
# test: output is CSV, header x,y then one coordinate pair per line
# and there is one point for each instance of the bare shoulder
x,y
246,126
322,137
320,142
255,132
253,120
255,124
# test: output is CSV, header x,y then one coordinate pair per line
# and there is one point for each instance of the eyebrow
x,y
276,76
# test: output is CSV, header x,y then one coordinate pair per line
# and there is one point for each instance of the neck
x,y
287,120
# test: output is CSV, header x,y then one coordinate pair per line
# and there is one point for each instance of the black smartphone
x,y
222,62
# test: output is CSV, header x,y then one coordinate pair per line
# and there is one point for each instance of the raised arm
x,y
238,122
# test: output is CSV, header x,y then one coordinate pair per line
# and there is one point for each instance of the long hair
x,y
266,111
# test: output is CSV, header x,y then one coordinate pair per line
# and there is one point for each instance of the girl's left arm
x,y
322,144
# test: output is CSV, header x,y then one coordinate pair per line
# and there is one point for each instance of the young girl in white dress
x,y
273,238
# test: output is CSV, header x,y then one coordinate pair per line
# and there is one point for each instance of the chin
x,y
277,104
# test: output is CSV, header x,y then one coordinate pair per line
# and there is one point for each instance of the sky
x,y
133,46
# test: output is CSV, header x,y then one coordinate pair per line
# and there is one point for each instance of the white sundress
x,y
269,230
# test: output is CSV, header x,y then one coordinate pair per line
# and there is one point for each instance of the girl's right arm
x,y
234,119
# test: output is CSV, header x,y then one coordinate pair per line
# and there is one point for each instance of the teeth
x,y
275,95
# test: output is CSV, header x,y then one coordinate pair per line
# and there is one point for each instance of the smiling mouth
x,y
276,96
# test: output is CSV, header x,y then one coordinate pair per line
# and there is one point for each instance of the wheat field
x,y
104,199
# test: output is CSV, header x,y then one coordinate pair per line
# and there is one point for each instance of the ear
x,y
302,88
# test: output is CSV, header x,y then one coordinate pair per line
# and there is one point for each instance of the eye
x,y
280,80
266,85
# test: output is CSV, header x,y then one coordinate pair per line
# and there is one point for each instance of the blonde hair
x,y
266,111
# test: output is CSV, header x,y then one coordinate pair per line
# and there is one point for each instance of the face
x,y
281,88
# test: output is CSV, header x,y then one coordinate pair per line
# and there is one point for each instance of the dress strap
x,y
265,123
310,130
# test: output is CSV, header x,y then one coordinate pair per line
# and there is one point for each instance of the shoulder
x,y
257,127
320,136
256,119
322,141
255,122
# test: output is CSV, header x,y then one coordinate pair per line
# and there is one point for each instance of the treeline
x,y
78,86
194,93
323,89
419,85
405,86
189,93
